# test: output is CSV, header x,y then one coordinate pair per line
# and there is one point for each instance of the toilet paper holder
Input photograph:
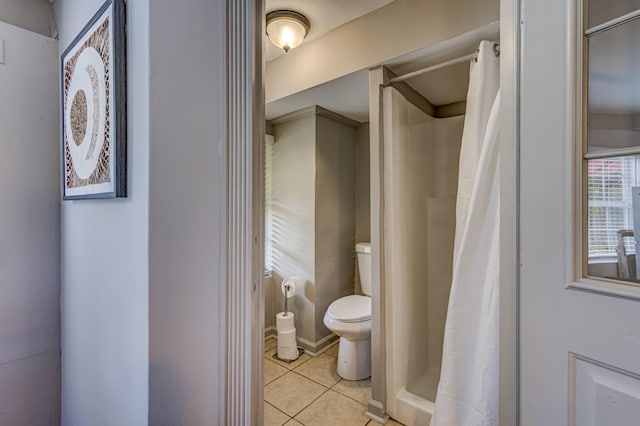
x,y
287,288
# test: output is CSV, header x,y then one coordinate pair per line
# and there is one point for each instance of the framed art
x,y
94,108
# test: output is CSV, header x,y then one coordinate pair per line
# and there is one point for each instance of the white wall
x,y
187,211
421,173
142,276
32,15
29,240
105,328
398,28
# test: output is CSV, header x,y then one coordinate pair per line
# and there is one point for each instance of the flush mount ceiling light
x,y
286,29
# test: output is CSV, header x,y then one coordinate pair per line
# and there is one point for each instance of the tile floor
x,y
309,392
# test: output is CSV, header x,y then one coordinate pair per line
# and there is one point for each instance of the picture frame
x,y
94,107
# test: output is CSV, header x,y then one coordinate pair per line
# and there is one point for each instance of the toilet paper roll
x,y
287,338
288,353
292,283
285,322
287,347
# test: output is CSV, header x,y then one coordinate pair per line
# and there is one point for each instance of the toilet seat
x,y
354,308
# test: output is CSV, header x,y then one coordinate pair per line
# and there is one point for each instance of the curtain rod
x,y
465,58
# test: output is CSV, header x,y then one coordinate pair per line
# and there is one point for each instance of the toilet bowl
x,y
350,318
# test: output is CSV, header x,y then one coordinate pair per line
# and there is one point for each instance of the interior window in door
x,y
611,162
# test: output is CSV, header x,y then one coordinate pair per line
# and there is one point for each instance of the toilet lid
x,y
351,308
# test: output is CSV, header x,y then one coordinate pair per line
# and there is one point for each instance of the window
x,y
610,208
268,211
611,158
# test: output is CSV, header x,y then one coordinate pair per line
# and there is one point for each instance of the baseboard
x,y
313,349
375,411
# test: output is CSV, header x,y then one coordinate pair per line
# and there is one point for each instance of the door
x,y
29,229
579,330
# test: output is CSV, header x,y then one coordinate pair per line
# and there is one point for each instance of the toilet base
x,y
354,359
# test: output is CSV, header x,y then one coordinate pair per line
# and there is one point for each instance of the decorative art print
x,y
94,126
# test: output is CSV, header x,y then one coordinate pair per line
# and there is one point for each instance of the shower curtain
x,y
468,389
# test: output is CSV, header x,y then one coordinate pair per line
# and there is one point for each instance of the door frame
x,y
242,365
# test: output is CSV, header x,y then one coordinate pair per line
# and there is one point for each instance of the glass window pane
x,y
601,11
613,217
614,88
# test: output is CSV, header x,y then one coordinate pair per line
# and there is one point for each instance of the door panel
x,y
561,327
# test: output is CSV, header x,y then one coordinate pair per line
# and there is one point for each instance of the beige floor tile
x,y
273,416
270,344
287,365
272,371
321,369
392,422
333,351
360,390
333,409
292,392
293,422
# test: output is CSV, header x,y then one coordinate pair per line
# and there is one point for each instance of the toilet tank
x,y
364,266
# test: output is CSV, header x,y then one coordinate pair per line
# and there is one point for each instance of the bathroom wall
x,y
314,215
363,192
363,187
294,202
335,215
32,15
30,236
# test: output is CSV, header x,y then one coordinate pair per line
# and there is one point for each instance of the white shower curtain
x,y
468,389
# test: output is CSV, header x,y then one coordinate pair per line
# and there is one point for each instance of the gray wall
x,y
335,215
105,328
363,187
187,211
32,15
363,192
314,193
293,204
30,235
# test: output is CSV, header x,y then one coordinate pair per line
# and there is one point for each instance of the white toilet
x,y
350,318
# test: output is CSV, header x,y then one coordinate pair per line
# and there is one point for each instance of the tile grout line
x,y
277,409
346,396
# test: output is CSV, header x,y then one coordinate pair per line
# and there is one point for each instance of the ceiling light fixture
x,y
287,29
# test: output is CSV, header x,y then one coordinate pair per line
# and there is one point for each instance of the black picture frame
x,y
108,178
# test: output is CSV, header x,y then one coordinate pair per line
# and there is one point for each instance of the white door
x,y
29,229
579,337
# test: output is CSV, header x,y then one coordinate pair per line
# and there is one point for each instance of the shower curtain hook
x,y
477,54
496,50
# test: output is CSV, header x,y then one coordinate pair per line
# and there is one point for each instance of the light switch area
x,y
1,51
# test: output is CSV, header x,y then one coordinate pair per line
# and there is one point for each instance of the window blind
x,y
610,205
268,211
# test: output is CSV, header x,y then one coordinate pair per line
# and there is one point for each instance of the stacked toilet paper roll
x,y
287,346
285,324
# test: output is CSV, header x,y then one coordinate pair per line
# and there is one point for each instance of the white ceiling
x,y
349,95
324,15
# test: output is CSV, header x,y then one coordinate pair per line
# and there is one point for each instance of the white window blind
x,y
268,198
610,206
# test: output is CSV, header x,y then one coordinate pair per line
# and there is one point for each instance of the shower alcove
x,y
421,126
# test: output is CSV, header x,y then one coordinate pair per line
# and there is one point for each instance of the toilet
x,y
350,318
